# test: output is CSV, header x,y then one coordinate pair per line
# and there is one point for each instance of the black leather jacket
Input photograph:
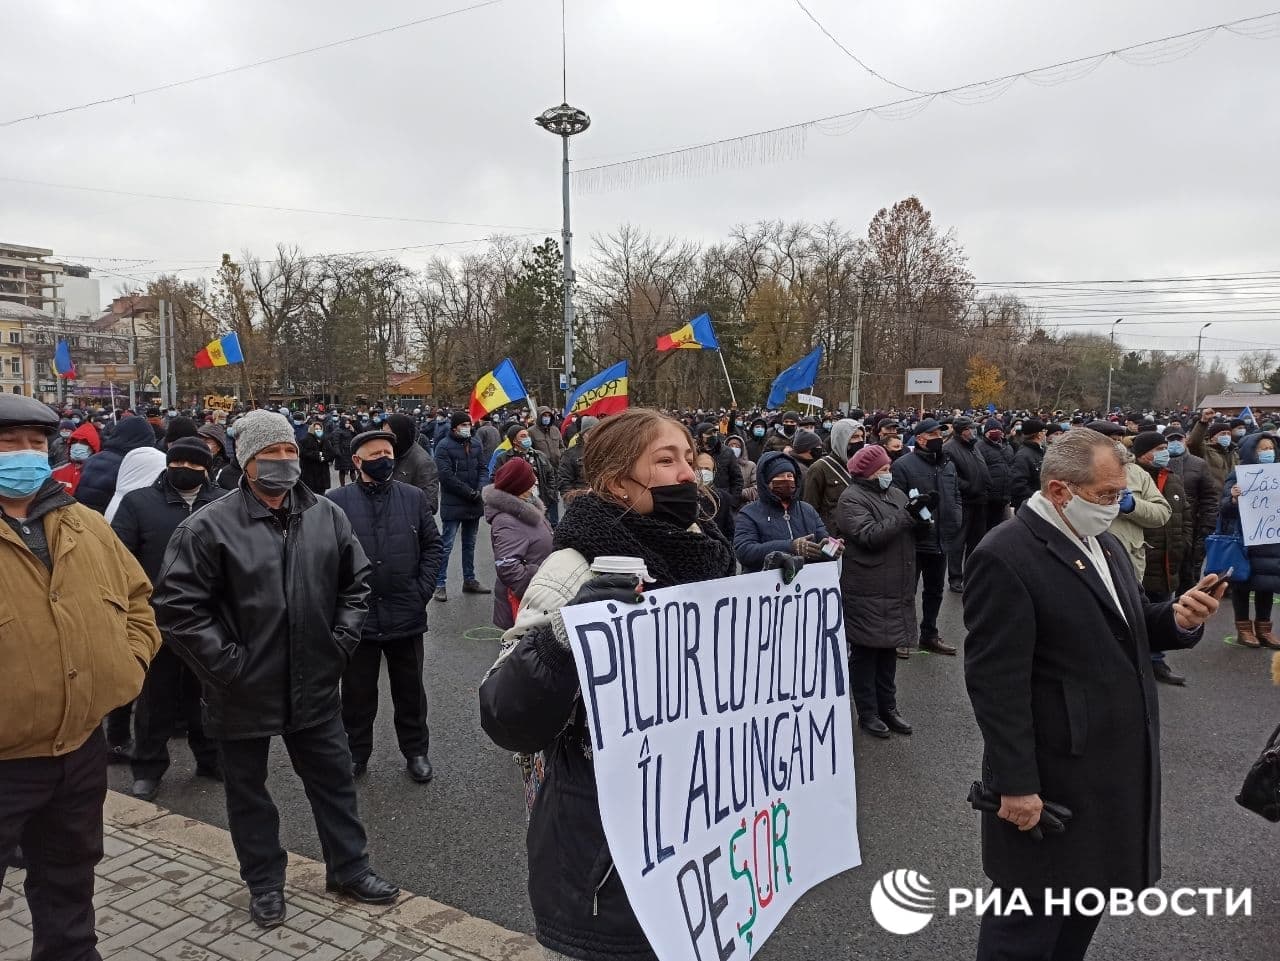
x,y
266,613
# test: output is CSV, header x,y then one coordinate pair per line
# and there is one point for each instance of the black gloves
x,y
788,565
1054,817
922,502
609,587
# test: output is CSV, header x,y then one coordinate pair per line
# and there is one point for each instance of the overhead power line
x,y
273,207
851,55
787,142
173,84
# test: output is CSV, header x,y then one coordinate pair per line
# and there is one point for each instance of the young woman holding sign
x,y
1264,559
643,502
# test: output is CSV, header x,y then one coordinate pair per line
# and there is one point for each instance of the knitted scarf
x,y
595,527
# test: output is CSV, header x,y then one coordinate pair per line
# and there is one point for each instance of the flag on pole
x,y
801,375
695,335
499,387
605,393
1246,415
221,352
62,365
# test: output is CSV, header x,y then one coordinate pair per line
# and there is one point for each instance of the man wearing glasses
x,y
1058,668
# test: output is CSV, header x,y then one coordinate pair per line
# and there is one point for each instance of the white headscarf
x,y
140,468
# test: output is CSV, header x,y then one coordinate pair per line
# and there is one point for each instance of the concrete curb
x,y
448,928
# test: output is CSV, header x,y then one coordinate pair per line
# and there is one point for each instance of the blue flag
x,y
801,375
62,365
1246,415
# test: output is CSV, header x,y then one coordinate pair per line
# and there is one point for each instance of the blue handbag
x,y
1223,552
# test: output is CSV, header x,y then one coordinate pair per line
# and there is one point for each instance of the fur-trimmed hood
x,y
496,502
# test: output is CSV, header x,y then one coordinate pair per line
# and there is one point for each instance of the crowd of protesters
x,y
293,549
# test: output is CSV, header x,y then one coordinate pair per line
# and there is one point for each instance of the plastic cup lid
x,y
621,564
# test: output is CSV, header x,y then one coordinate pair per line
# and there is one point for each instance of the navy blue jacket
x,y
98,480
766,525
394,525
1264,559
925,472
462,476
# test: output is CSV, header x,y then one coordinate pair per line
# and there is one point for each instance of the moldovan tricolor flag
x,y
499,387
695,335
605,393
62,363
221,352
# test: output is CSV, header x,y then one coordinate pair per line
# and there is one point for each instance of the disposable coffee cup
x,y
621,564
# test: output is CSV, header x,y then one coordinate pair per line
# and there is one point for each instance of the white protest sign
x,y
809,400
1259,503
718,714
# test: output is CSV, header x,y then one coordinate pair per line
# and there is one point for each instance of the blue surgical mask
x,y
23,472
757,431
526,442
1161,458
826,425
1266,457
80,451
1224,440
885,481
1177,448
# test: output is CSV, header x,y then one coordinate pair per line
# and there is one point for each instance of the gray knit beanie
x,y
259,429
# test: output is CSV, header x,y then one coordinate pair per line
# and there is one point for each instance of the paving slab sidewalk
x,y
168,889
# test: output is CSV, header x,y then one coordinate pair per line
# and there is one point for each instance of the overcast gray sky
x,y
1149,171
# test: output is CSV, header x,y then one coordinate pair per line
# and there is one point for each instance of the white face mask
x,y
885,481
706,476
1088,519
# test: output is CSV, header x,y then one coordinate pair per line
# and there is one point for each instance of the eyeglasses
x,y
1102,500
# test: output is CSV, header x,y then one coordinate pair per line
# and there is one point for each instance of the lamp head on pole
x,y
563,121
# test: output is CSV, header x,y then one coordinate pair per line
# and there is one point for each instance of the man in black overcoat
x,y
1058,667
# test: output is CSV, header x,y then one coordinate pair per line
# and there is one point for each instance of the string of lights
x,y
227,71
787,142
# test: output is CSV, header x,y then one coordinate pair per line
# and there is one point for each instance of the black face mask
x,y
933,445
380,469
186,478
711,443
676,504
854,447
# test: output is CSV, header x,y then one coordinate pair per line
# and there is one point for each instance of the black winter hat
x,y
1032,426
1146,441
1109,428
189,449
178,428
458,419
405,430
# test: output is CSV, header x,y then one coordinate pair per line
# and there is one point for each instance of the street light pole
x,y
1195,384
1111,363
565,121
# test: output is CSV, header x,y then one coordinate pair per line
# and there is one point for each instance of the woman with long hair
x,y
642,501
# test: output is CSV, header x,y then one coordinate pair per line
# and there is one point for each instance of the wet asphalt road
x,y
460,839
